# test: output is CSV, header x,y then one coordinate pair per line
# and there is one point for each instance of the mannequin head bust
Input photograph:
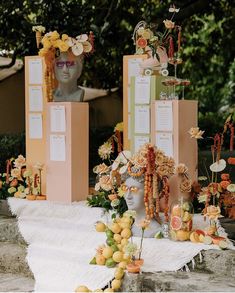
x,y
134,196
68,69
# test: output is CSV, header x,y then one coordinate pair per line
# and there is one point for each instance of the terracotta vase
x,y
139,262
133,268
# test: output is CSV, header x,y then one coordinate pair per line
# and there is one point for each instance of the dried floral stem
x,y
141,242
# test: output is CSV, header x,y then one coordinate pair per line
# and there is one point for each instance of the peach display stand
x,y
67,180
184,116
35,147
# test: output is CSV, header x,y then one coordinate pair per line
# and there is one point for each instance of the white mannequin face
x,y
68,70
134,195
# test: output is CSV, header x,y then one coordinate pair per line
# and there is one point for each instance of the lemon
x,y
117,238
98,290
122,265
100,260
119,273
201,238
115,228
126,233
118,256
107,252
82,289
194,237
100,227
116,284
124,241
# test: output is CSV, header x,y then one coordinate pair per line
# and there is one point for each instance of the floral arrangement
x,y
18,181
218,193
150,165
154,43
54,44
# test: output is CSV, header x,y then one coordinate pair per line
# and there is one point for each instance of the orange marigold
x,y
231,161
225,176
224,184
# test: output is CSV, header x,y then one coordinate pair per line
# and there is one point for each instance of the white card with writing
x,y
35,98
35,126
35,71
134,68
139,141
164,141
164,116
142,119
142,90
58,123
57,147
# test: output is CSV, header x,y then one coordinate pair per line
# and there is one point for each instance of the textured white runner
x,y
62,241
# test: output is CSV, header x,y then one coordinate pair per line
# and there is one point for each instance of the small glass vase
x,y
181,219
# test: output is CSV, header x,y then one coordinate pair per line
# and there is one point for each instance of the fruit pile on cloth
x,y
62,241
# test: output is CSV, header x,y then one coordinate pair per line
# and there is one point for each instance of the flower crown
x,y
82,44
53,45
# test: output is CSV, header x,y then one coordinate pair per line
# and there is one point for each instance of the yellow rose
x,y
213,212
43,52
46,43
119,127
63,47
64,37
54,36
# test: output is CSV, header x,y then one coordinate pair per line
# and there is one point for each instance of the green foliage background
x,y
208,41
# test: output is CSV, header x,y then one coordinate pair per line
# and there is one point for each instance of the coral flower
x,y
224,184
141,42
213,212
231,161
225,176
169,24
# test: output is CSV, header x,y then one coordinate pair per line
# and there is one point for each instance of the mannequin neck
x,y
66,89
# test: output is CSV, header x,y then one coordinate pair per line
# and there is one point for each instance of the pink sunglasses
x,y
61,64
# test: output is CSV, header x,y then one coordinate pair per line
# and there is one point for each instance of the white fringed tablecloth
x,y
62,240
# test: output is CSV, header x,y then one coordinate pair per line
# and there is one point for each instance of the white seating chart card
x,y
58,123
164,127
57,147
142,119
164,141
35,98
164,116
35,71
139,141
35,126
142,90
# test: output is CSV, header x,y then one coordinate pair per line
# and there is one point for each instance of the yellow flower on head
x,y
64,37
195,132
46,43
63,47
54,35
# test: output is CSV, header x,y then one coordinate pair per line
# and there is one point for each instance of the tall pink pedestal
x,y
67,179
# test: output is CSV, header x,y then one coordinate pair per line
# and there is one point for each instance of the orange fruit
x,y
117,238
182,235
176,223
107,252
126,233
176,211
194,237
115,228
82,289
100,260
100,227
116,284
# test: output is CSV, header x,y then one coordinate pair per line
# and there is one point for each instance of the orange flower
x,y
225,176
231,161
224,184
213,212
141,42
144,224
